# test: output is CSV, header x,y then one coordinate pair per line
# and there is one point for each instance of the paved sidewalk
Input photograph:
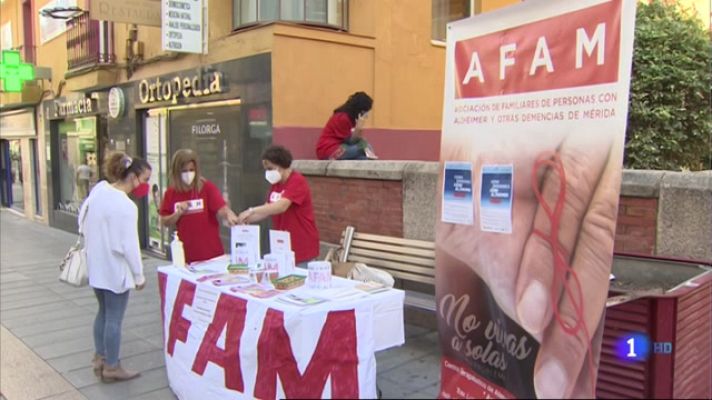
x,y
46,330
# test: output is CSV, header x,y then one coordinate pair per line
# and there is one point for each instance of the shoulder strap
x,y
83,216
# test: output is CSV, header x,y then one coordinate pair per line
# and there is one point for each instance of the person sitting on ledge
x,y
342,137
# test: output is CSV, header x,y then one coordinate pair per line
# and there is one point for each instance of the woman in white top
x,y
114,254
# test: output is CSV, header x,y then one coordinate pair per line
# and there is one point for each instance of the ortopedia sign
x,y
171,89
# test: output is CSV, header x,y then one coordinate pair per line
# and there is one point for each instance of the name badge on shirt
x,y
194,206
275,196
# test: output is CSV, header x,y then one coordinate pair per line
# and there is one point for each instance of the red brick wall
x,y
372,206
636,229
376,206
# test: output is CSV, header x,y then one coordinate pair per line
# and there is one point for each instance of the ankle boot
x,y
118,373
97,363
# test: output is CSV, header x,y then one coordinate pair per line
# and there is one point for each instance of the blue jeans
x,y
353,152
355,149
107,325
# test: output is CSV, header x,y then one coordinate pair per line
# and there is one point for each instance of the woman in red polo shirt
x,y
342,138
193,204
289,203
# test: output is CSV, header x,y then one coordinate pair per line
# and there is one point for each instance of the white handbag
x,y
362,272
73,270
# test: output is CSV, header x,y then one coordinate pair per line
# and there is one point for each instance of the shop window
x,y
445,11
78,162
331,13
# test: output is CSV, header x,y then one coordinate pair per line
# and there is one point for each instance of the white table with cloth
x,y
222,344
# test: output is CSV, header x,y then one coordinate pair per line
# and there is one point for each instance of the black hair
x,y
357,103
278,155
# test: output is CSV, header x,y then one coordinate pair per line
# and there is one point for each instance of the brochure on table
x,y
281,254
245,242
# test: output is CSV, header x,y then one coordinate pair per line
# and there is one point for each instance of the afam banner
x,y
536,101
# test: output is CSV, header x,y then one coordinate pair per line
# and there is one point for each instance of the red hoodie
x,y
336,131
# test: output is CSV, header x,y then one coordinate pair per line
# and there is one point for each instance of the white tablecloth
x,y
303,351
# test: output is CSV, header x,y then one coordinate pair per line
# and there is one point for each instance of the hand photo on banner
x,y
536,102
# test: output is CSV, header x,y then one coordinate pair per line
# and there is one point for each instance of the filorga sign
x,y
139,12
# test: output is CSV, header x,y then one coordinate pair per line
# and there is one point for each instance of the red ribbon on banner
x,y
562,269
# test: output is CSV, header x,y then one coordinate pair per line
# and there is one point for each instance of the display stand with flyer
x,y
281,255
245,245
534,120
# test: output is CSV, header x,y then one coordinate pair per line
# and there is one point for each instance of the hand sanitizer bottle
x,y
177,252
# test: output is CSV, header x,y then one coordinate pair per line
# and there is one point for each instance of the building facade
x,y
273,73
23,186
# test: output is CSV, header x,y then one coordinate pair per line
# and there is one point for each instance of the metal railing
x,y
89,42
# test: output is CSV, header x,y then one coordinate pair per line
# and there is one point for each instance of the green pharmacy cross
x,y
13,72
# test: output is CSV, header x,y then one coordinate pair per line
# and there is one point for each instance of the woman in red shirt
x,y
193,204
289,203
341,138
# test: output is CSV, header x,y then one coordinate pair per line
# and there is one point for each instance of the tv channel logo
x,y
637,346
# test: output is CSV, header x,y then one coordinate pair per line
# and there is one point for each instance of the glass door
x,y
156,155
5,174
78,164
18,176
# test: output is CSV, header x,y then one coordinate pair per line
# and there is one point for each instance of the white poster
x,y
183,26
457,197
496,198
50,28
279,242
6,33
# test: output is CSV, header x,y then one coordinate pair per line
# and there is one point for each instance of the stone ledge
x,y
367,169
424,167
696,181
641,183
375,169
311,167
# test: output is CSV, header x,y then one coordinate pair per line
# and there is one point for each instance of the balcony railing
x,y
89,42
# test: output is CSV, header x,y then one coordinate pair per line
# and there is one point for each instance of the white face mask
x,y
273,176
187,177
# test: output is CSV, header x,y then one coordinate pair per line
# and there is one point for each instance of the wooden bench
x,y
411,260
407,260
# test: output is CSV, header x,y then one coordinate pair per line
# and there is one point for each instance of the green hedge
x,y
670,117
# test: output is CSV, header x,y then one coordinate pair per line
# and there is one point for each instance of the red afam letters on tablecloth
x,y
230,315
335,356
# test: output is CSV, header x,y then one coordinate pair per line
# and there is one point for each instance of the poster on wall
x,y
50,28
158,235
536,99
6,34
